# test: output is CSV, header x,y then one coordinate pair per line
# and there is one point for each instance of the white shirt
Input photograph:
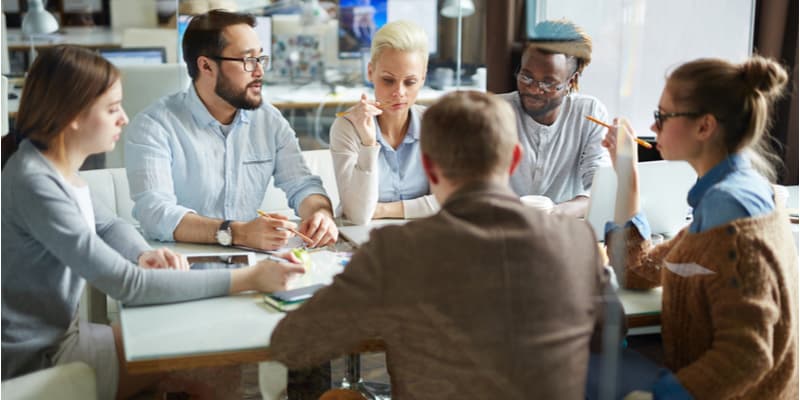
x,y
559,160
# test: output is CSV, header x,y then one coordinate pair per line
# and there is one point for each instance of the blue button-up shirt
x,y
730,190
178,160
401,174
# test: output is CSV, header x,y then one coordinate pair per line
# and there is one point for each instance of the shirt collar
x,y
734,162
412,134
203,116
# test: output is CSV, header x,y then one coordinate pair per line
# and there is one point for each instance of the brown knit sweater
x,y
729,307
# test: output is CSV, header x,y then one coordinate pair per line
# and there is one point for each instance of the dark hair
x,y
739,96
203,36
470,135
63,82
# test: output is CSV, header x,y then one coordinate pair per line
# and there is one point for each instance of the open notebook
x,y
663,187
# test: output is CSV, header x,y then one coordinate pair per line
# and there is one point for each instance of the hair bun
x,y
764,75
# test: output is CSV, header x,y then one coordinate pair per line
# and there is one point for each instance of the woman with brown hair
x,y
729,306
55,240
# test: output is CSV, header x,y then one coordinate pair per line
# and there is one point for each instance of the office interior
x,y
318,66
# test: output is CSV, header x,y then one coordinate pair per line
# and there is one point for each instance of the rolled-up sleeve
x,y
148,163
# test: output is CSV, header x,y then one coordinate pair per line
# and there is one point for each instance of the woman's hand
x,y
610,141
163,258
362,116
623,151
267,275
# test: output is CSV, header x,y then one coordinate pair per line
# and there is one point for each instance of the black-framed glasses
x,y
661,117
547,87
248,63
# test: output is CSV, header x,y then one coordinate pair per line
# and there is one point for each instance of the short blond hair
x,y
470,135
400,35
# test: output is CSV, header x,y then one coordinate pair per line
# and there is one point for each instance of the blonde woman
x,y
375,145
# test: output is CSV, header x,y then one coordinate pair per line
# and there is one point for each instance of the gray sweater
x,y
49,254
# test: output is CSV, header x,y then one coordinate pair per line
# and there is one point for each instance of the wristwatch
x,y
225,234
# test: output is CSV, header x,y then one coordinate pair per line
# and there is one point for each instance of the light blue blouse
x,y
401,176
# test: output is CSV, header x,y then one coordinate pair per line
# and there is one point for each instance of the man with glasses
x,y
199,161
562,149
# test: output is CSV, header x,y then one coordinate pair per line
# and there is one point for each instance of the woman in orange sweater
x,y
729,308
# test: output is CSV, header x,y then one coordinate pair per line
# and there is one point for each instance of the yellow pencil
x,y
641,142
343,113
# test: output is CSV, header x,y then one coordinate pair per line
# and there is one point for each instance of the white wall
x,y
637,42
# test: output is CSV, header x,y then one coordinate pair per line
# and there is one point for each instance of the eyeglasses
x,y
661,117
249,63
547,87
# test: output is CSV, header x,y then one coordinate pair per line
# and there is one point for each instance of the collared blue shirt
x,y
729,191
401,176
178,160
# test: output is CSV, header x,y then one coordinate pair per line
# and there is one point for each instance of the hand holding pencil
x,y
291,229
362,116
641,142
263,233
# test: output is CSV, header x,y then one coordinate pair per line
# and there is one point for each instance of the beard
x,y
549,104
239,99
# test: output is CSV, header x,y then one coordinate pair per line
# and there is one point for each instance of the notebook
x,y
663,187
359,234
288,300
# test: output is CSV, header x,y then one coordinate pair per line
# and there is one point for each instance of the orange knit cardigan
x,y
729,307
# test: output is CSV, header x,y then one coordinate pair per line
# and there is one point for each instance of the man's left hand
x,y
320,228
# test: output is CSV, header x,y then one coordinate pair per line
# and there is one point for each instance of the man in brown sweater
x,y
486,299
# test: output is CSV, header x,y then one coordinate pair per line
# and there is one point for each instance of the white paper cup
x,y
538,202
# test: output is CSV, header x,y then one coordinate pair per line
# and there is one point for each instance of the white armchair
x,y
320,163
73,381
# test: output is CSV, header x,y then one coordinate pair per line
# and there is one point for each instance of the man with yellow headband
x,y
561,148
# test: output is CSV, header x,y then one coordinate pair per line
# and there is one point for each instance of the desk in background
x,y
311,108
92,37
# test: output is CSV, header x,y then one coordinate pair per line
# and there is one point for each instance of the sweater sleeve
x,y
420,207
52,219
119,234
356,168
744,311
642,259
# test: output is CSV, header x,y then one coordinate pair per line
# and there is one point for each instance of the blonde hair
x,y
739,96
400,35
470,135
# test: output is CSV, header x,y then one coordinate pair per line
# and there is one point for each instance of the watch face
x,y
224,237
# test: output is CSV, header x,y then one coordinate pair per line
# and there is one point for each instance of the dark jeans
x,y
636,372
309,383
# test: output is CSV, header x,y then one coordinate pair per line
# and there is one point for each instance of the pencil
x,y
641,142
343,113
304,237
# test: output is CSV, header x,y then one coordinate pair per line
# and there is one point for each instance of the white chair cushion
x,y
320,163
73,381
